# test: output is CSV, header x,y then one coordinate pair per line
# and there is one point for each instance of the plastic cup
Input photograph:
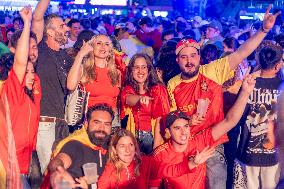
x,y
202,107
90,172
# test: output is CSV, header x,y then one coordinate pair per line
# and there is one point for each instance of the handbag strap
x,y
81,87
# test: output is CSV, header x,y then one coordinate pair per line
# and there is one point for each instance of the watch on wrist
x,y
192,159
263,30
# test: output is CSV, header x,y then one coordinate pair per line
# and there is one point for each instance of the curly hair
x,y
269,56
99,107
113,157
90,75
152,79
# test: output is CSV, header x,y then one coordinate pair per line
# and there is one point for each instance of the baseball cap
x,y
186,43
173,116
216,25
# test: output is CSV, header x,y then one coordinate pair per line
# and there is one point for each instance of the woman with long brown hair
x,y
94,69
144,99
126,168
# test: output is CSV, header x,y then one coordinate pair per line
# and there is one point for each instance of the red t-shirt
x,y
165,157
143,114
108,180
101,90
24,117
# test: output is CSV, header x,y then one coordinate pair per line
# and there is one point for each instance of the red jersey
x,y
143,114
165,157
24,115
184,94
109,178
101,89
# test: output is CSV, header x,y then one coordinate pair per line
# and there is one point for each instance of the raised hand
x,y
145,100
201,157
86,48
82,183
196,120
26,14
248,82
269,19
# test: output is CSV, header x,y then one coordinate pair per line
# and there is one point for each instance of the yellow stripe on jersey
x,y
218,70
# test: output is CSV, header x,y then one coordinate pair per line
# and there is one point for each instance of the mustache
x,y
189,65
99,141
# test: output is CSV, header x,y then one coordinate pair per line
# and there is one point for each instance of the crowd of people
x,y
169,102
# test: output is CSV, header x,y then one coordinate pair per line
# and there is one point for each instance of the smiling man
x,y
84,146
52,68
205,82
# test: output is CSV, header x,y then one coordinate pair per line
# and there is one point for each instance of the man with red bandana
x,y
205,82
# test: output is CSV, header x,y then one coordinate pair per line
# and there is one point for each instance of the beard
x,y
60,38
33,59
189,75
99,141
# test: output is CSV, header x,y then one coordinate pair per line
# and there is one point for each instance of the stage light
x,y
109,2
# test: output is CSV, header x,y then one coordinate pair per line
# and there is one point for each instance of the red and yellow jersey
x,y
184,94
140,116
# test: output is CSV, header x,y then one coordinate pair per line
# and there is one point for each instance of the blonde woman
x,y
94,69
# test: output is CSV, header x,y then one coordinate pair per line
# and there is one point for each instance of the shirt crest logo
x,y
204,86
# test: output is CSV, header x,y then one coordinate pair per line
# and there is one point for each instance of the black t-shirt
x,y
52,68
81,154
255,147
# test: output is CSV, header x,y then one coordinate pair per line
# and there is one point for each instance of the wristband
x,y
192,159
263,30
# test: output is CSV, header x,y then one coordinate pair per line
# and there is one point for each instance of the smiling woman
x,y
125,168
94,69
21,90
144,99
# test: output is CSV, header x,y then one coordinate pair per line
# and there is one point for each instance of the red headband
x,y
186,43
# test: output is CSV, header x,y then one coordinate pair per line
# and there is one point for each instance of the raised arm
x,y
38,19
236,112
22,49
252,43
75,73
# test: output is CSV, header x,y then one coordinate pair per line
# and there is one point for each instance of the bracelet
x,y
263,30
192,159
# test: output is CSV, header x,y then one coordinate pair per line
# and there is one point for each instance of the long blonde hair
x,y
89,73
113,157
